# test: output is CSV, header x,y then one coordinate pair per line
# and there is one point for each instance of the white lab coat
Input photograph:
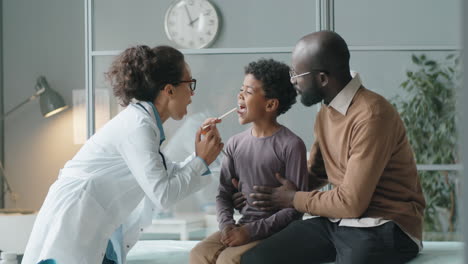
x,y
117,178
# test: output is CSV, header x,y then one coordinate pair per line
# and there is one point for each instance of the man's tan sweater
x,y
366,156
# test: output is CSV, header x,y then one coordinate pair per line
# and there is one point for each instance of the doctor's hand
x,y
208,147
268,198
206,125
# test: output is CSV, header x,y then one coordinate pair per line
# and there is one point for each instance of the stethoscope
x,y
155,114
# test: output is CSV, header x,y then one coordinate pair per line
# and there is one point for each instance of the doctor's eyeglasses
x,y
192,84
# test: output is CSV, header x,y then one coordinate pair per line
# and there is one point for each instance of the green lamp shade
x,y
50,101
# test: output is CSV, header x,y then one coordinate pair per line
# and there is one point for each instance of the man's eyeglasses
x,y
192,84
293,75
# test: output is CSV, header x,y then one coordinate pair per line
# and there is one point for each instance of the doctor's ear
x,y
168,89
272,105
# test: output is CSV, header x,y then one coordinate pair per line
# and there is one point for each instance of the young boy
x,y
253,158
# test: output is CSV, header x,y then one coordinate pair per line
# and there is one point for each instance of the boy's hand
x,y
238,236
226,230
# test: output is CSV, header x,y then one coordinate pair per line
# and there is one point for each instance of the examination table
x,y
177,252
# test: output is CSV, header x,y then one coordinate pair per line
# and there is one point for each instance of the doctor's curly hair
x,y
140,72
276,83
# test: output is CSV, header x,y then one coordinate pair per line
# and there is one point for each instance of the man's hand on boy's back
x,y
269,198
236,236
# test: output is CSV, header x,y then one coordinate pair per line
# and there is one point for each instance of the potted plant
x,y
428,111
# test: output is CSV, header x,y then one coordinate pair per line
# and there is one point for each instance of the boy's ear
x,y
272,105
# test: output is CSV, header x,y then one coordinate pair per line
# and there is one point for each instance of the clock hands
x,y
193,21
189,17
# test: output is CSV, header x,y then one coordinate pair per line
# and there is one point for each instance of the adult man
x,y
374,213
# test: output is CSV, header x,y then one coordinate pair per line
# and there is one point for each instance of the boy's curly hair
x,y
274,76
140,72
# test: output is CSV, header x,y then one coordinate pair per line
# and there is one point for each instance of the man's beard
x,y
310,97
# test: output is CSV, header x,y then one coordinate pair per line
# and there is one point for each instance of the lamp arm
x,y
2,171
34,96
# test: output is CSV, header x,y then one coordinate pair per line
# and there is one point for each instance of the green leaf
x,y
404,84
430,63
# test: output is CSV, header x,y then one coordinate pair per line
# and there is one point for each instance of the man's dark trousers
x,y
318,240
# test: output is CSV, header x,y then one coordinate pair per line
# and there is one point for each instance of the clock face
x,y
192,24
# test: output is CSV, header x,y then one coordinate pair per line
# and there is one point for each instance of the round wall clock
x,y
192,24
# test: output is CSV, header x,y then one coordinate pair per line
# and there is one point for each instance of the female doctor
x,y
106,195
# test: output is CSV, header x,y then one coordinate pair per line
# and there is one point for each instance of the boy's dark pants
x,y
319,240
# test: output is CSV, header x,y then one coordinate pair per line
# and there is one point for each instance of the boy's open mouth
x,y
241,109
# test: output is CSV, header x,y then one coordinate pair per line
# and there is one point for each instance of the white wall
x,y
40,38
398,22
